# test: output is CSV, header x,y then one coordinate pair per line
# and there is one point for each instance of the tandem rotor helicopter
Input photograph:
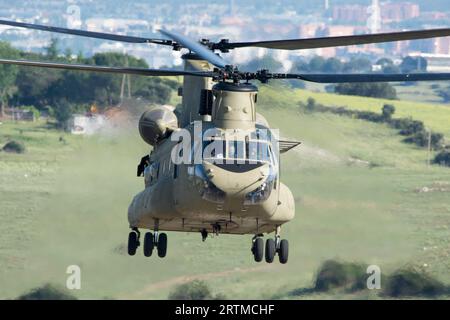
x,y
236,189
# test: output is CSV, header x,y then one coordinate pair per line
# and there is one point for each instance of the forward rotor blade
x,y
118,70
351,78
196,47
89,34
313,43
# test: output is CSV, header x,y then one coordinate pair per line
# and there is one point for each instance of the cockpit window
x,y
248,150
258,151
214,149
236,150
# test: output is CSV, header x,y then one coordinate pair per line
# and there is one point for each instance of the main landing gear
x,y
272,247
151,241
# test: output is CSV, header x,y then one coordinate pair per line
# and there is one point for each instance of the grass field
x,y
417,92
355,184
421,92
435,116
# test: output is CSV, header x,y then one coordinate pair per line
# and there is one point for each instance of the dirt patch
x,y
186,279
437,186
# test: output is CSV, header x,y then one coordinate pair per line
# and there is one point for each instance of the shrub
x,y
408,126
421,139
445,94
14,147
387,111
334,274
409,282
415,127
47,292
442,158
195,290
374,90
369,116
310,105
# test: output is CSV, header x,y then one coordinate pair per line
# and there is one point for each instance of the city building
x,y
399,11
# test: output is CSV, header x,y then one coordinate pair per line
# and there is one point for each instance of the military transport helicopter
x,y
242,195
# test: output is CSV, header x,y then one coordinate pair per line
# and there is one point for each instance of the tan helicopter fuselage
x,y
226,193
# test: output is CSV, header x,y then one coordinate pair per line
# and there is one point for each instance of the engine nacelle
x,y
157,123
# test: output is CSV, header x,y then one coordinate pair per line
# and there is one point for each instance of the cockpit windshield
x,y
247,151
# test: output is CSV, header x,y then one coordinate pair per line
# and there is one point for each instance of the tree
x,y
52,50
385,62
62,91
358,65
388,66
34,83
411,64
156,91
300,66
8,75
374,90
266,62
104,89
387,111
62,111
332,65
316,64
391,69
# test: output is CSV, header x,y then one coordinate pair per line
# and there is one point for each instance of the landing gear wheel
x,y
162,245
258,249
133,243
270,250
283,252
149,244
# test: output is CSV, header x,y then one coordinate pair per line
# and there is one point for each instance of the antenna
x,y
125,79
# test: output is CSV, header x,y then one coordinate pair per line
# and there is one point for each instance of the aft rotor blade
x,y
118,70
313,43
89,34
351,78
196,47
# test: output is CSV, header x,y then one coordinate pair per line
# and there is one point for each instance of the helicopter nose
x,y
236,179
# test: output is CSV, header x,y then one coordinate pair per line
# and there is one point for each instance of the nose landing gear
x,y
149,244
271,250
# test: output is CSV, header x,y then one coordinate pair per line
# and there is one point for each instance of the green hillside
x,y
435,116
357,189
